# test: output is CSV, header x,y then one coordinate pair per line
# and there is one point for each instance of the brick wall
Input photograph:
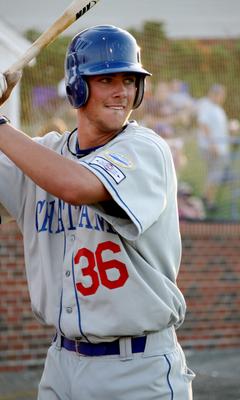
x,y
23,340
210,281
209,278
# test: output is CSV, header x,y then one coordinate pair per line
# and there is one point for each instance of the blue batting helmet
x,y
100,50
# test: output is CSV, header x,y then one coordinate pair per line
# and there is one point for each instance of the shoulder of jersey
x,y
134,131
52,139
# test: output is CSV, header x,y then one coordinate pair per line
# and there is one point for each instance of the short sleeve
x,y
136,170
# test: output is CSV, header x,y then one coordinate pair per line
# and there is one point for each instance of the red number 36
x,y
97,268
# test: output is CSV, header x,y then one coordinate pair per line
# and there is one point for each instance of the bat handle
x,y
44,40
71,14
28,56
76,10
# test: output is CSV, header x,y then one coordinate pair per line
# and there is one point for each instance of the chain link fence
x,y
183,71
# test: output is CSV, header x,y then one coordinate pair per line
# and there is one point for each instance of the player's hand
x,y
7,83
3,84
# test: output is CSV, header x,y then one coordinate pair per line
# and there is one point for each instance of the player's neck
x,y
92,135
88,139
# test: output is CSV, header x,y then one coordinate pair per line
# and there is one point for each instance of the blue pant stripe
x,y
168,379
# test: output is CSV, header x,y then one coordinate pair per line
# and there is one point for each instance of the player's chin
x,y
118,116
116,121
114,127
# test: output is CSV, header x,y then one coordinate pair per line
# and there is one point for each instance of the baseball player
x,y
98,211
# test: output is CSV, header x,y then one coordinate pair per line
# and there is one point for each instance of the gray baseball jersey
x,y
105,270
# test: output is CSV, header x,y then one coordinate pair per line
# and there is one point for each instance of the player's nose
x,y
120,89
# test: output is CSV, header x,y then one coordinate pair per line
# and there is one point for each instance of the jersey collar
x,y
78,152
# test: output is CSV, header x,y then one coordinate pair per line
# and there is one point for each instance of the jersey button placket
x,y
72,238
69,320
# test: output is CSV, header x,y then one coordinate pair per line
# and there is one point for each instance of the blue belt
x,y
102,349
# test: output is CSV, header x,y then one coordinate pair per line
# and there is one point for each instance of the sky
x,y
182,18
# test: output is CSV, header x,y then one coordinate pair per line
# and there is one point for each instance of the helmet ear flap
x,y
77,91
140,91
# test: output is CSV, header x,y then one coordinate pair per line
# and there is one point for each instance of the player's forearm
x,y
62,178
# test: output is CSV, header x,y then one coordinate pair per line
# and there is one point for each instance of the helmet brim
x,y
112,68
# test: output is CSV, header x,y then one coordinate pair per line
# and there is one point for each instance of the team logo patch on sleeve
x,y
118,159
109,167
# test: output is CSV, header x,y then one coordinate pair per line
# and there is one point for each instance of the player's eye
x,y
129,80
105,79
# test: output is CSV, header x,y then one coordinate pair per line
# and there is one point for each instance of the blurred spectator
x,y
234,127
43,96
176,144
164,130
182,102
234,130
213,141
168,103
164,106
156,107
54,124
190,207
145,113
179,94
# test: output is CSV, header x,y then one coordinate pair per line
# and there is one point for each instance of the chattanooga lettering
x,y
56,216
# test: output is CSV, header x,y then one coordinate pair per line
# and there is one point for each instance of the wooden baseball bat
x,y
73,12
